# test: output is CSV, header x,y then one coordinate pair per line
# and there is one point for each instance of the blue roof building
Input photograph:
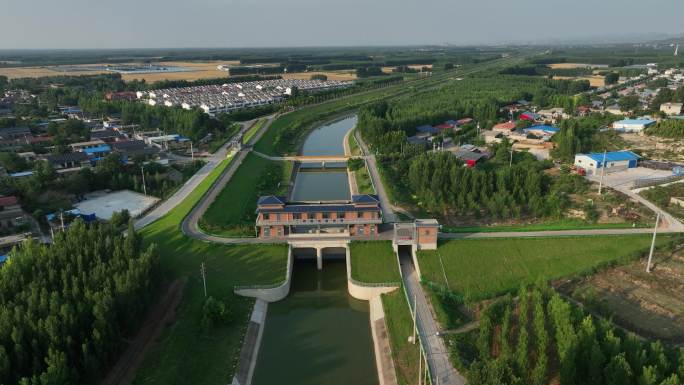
x,y
427,129
632,125
100,150
614,161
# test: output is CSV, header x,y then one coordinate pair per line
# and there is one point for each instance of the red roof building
x,y
504,127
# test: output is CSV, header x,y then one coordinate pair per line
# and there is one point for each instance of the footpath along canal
x,y
319,334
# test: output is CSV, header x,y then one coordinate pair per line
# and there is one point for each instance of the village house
x,y
11,214
671,108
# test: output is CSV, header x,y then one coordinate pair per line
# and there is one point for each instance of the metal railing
x,y
258,287
375,284
314,221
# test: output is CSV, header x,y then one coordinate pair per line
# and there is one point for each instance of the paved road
x,y
442,371
387,207
622,182
182,193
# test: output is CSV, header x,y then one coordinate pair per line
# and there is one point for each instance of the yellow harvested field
x,y
332,75
389,70
200,70
37,72
594,80
569,65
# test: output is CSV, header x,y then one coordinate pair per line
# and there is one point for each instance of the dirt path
x,y
123,373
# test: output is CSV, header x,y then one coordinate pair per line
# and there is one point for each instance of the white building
x,y
614,161
632,125
671,108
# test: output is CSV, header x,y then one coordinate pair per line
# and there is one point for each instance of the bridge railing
x,y
258,287
375,284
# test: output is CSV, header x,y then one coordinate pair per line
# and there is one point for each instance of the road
x,y
211,163
442,371
385,204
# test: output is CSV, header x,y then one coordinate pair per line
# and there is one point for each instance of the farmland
x,y
480,269
649,304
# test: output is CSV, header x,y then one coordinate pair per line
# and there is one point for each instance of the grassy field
x,y
253,130
185,354
400,327
232,213
483,268
567,224
374,262
363,181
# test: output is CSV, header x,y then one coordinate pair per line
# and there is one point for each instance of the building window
x,y
266,216
362,230
267,231
326,215
297,216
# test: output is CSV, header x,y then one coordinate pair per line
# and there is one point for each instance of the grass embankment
x,y
218,142
400,327
186,354
363,181
374,262
253,130
484,268
353,144
232,213
568,224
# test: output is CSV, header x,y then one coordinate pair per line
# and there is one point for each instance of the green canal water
x,y
327,139
319,334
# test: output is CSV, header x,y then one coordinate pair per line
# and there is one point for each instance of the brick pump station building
x,y
277,218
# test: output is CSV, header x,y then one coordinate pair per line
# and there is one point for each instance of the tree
x,y
629,102
618,371
611,78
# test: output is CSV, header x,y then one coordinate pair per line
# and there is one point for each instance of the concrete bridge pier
x,y
319,258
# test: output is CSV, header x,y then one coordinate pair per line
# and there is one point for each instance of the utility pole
x,y
204,278
192,152
650,254
61,218
420,364
415,314
142,172
603,171
510,164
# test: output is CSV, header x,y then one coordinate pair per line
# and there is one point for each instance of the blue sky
x,y
287,23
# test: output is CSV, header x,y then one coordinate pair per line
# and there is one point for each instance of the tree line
x,y
66,308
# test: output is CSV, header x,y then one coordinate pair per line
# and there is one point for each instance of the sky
x,y
299,23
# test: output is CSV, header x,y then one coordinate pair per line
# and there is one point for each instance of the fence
x,y
648,182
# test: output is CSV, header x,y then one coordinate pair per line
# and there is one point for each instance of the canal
x,y
314,184
319,334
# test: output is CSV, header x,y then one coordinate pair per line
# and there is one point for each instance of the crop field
x,y
483,268
574,65
178,357
37,72
649,304
374,262
594,80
